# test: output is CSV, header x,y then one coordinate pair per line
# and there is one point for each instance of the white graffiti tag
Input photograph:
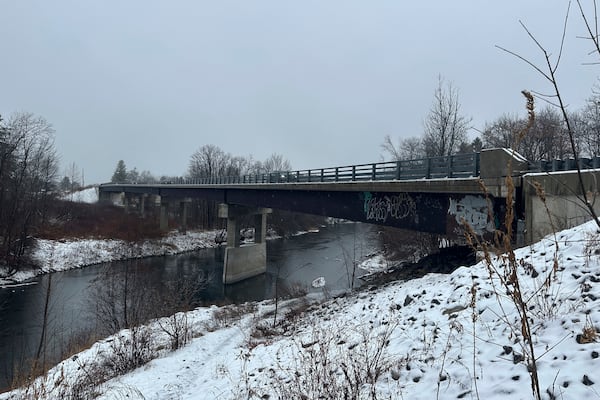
x,y
380,209
472,210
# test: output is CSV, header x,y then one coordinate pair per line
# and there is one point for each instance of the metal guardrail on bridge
x,y
568,164
456,166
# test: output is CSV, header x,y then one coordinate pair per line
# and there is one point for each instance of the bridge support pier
x,y
164,215
242,262
143,198
183,212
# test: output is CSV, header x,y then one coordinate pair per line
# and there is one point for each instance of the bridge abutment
x,y
242,262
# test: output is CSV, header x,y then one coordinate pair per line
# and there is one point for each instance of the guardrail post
x,y
322,175
309,175
449,166
353,173
427,168
556,164
398,170
476,164
336,173
374,172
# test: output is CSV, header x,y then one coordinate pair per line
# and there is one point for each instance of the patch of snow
x,y
319,282
87,195
376,263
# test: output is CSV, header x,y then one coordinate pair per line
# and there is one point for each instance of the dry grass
x,y
76,220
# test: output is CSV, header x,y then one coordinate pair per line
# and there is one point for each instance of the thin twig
x,y
524,59
593,36
562,41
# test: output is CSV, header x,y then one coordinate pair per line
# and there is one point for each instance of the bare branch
x,y
593,36
525,60
562,41
539,94
550,75
546,100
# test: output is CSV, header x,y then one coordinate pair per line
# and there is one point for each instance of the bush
x,y
128,351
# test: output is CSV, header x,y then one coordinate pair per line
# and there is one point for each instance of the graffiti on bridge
x,y
397,206
472,210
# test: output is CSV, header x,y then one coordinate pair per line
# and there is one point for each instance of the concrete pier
x,y
164,215
242,262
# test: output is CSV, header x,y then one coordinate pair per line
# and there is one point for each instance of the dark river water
x,y
70,315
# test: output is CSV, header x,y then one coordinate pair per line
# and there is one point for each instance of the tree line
x,y
206,162
445,131
211,161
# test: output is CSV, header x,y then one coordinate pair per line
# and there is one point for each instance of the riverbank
x,y
61,255
442,336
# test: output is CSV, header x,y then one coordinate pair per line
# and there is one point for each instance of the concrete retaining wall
x,y
562,209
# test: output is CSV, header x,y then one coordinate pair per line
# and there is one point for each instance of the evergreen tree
x,y
120,175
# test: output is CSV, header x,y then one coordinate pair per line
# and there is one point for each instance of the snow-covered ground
x,y
87,195
437,337
55,255
62,255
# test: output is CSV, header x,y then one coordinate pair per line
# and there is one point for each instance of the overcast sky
x,y
321,82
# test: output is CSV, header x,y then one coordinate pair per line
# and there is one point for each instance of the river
x,y
292,263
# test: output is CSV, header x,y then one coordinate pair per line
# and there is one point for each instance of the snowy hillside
x,y
62,255
87,195
438,337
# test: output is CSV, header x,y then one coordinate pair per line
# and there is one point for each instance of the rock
x,y
517,358
408,300
587,381
454,309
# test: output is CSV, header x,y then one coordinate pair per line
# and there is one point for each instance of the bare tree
x,y
546,139
28,170
72,179
549,72
276,162
209,161
445,126
502,132
147,177
587,125
407,149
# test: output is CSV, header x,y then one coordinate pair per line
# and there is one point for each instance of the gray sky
x,y
321,82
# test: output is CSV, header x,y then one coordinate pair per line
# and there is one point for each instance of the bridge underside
x,y
428,206
427,211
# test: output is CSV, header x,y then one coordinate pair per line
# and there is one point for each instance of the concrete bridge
x,y
433,195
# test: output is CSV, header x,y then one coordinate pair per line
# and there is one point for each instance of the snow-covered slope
x,y
437,337
87,195
55,255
